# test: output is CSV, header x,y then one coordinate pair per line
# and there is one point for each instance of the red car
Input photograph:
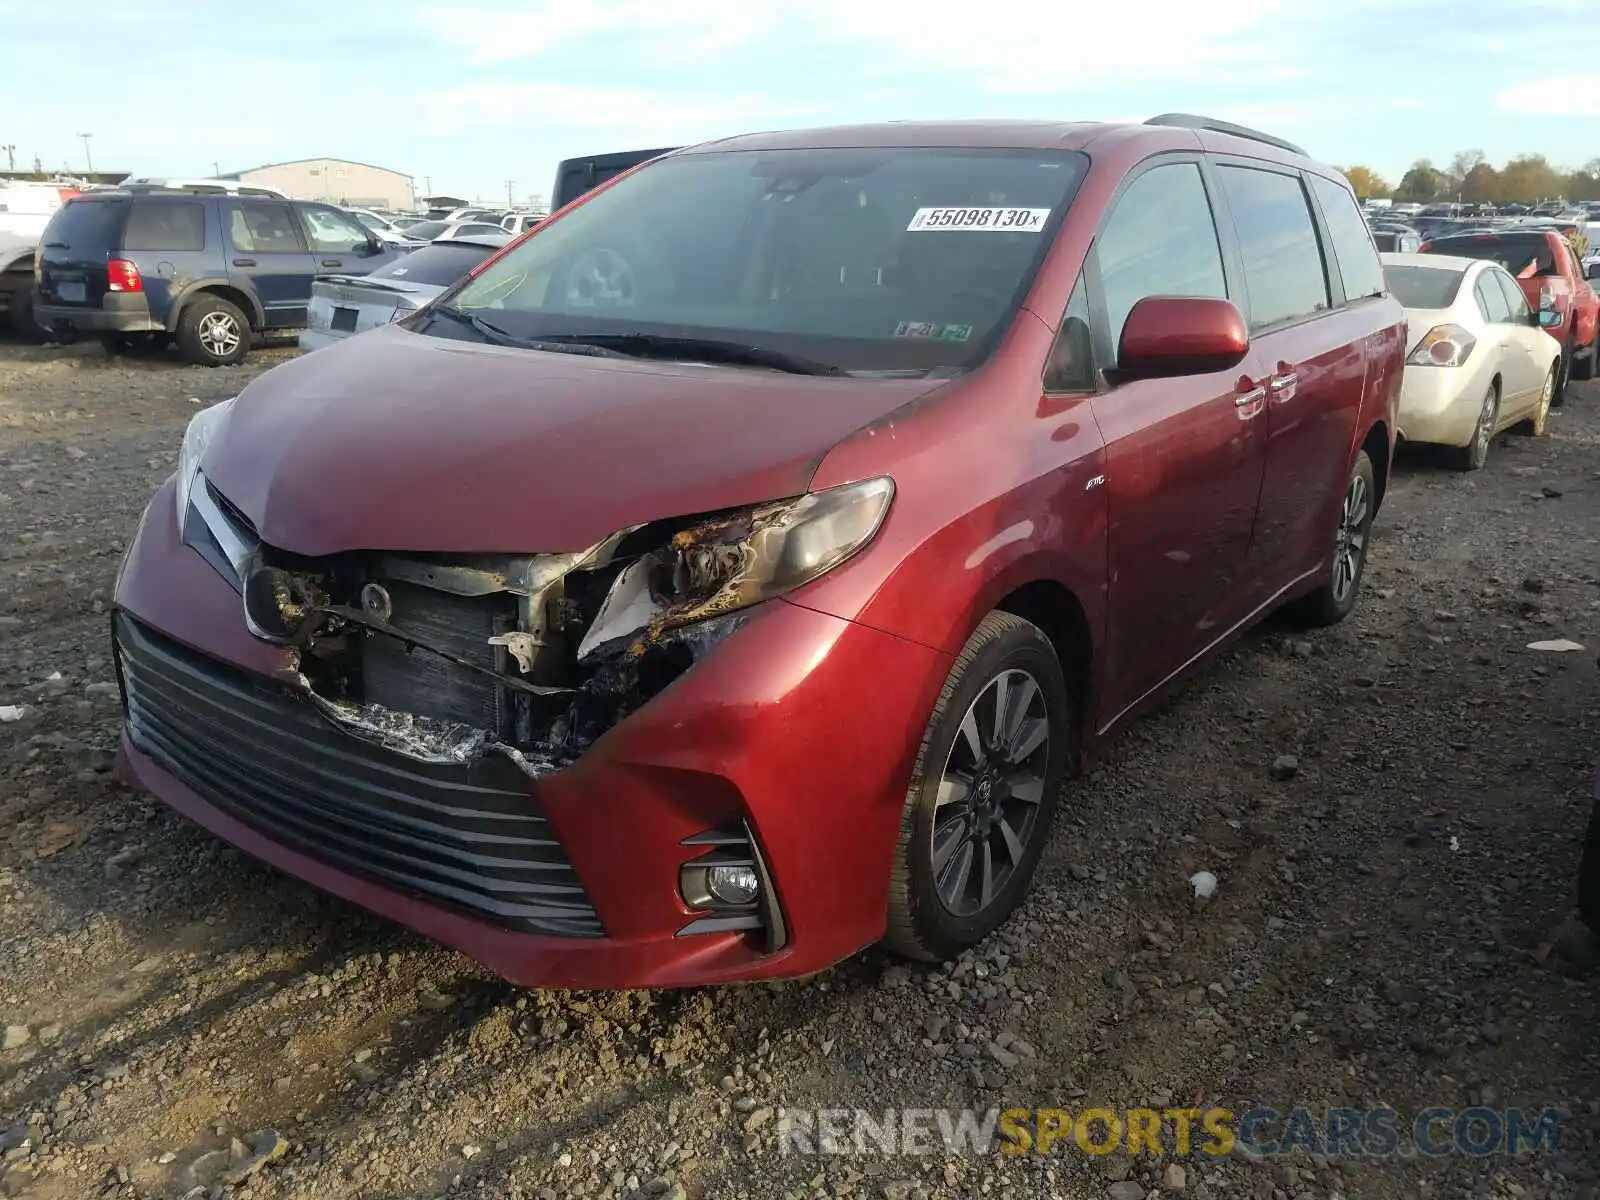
x,y
1551,277
730,574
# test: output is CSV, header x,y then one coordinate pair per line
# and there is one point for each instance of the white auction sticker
x,y
987,220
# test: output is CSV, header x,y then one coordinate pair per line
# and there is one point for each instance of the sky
x,y
465,97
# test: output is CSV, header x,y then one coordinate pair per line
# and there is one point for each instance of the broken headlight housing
x,y
203,426
738,559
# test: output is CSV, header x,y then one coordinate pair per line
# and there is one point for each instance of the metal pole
x,y
510,183
11,156
87,157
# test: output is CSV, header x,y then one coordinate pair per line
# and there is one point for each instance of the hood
x,y
398,441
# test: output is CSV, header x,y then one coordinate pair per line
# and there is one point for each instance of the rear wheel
x,y
1563,374
1336,599
982,795
212,332
24,320
1583,368
1475,453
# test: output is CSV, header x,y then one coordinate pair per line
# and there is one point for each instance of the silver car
x,y
342,305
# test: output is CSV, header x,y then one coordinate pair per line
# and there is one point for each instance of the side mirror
x,y
1549,318
1166,336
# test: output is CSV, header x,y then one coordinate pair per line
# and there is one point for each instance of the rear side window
x,y
1278,242
258,228
437,265
1359,267
1515,252
1492,301
165,225
1160,240
86,225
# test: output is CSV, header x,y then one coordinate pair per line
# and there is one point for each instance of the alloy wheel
x,y
218,334
990,792
1350,544
1484,434
1541,414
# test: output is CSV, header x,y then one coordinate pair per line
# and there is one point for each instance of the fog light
x,y
733,885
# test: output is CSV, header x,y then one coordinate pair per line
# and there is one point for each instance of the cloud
x,y
493,33
1564,96
636,116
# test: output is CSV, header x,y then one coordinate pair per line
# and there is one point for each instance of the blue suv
x,y
142,268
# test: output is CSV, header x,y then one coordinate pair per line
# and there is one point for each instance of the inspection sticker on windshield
x,y
933,331
986,220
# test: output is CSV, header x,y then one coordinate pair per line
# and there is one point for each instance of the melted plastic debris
x,y
425,738
419,737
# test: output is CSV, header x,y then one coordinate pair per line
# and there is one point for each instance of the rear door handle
x,y
244,262
333,262
1284,383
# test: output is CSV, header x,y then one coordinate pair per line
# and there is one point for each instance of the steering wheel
x,y
600,278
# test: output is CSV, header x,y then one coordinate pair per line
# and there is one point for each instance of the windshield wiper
x,y
657,345
493,333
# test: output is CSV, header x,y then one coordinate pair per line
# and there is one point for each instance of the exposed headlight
x,y
733,562
202,428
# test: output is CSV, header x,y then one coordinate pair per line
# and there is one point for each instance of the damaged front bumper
x,y
784,741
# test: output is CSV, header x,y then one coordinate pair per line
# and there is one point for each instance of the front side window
x,y
1359,267
864,259
330,232
1283,267
1160,240
263,229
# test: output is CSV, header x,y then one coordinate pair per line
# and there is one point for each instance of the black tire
x,y
1331,603
24,322
1589,872
199,332
1475,453
921,924
1564,374
1583,368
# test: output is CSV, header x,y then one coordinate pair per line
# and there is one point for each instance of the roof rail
x,y
1212,125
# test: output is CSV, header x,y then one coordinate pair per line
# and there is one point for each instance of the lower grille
x,y
466,834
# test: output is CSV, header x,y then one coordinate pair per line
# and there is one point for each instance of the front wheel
x,y
1584,368
982,795
1334,600
1563,374
1538,424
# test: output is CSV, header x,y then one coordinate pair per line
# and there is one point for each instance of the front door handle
x,y
244,262
1249,403
333,262
1283,386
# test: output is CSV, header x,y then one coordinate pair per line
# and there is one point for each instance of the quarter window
x,y
165,225
1160,240
1359,267
1071,366
1283,267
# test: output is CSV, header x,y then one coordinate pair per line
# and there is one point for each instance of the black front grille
x,y
466,834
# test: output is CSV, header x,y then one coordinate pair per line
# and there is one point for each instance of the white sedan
x,y
1478,360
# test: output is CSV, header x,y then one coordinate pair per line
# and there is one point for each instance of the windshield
x,y
427,230
862,259
1423,287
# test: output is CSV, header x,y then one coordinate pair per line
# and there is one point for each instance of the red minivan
x,y
733,573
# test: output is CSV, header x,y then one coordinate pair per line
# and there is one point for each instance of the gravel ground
x,y
1393,809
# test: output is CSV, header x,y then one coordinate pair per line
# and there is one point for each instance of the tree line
x,y
1472,179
